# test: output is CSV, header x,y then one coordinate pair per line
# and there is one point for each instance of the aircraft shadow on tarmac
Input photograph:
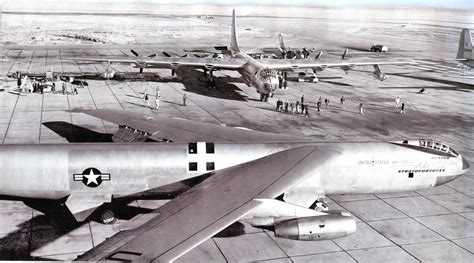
x,y
194,81
453,85
41,230
74,133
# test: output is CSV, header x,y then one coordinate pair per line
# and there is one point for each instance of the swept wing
x,y
203,211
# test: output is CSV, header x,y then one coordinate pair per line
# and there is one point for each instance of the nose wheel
x,y
263,97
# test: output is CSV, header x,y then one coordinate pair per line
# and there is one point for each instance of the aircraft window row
x,y
193,166
268,72
437,146
192,148
422,171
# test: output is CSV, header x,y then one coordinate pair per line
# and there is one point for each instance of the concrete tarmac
x,y
431,225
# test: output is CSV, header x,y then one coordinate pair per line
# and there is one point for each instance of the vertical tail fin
x,y
465,45
234,47
282,44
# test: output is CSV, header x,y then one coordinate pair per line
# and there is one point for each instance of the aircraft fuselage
x,y
57,171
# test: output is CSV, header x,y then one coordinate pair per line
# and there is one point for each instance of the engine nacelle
x,y
379,75
316,227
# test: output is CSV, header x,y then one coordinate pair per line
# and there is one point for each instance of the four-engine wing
x,y
169,62
237,63
198,214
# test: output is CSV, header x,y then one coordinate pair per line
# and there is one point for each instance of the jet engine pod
x,y
316,227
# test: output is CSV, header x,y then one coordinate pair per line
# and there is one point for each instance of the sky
x,y
457,4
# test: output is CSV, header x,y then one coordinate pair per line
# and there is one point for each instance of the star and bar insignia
x,y
91,177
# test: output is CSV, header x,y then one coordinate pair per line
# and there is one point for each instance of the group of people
x,y
27,85
301,107
146,98
293,107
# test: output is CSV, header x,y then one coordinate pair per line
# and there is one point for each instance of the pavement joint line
x,y
447,239
369,225
62,69
380,233
276,243
95,105
18,97
199,106
41,118
342,250
90,231
176,107
454,212
16,102
331,252
218,248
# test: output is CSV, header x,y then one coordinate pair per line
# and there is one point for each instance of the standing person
x,y
306,113
318,105
147,103
402,109
184,99
63,88
18,81
292,107
278,105
397,102
302,99
361,108
158,91
342,101
157,103
74,90
286,105
297,106
326,101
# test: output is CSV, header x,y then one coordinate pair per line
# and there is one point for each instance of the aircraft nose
x,y
440,180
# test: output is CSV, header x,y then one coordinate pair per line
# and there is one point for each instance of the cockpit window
x,y
437,146
267,72
451,151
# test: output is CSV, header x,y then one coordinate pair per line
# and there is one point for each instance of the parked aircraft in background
x,y
262,74
219,175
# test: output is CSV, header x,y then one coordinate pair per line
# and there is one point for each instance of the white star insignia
x,y
92,178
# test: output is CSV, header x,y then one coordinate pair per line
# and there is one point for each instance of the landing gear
x,y
107,217
211,83
319,205
263,97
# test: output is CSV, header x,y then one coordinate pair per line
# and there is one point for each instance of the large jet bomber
x,y
216,176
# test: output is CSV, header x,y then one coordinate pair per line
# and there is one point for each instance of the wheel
x,y
320,205
107,217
